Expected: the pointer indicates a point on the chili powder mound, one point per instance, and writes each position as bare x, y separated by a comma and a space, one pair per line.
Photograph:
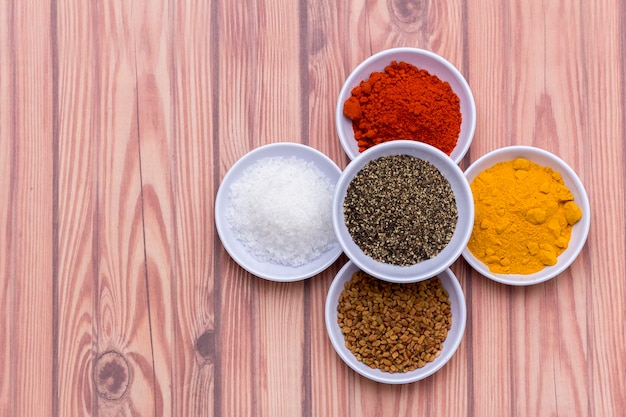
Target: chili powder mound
404, 102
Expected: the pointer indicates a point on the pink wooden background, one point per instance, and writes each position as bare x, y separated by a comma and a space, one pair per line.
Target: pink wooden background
118, 120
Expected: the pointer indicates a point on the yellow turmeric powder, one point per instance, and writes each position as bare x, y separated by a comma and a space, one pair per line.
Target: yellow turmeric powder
524, 215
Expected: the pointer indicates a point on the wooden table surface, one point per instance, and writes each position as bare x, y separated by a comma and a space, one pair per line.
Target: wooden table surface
118, 119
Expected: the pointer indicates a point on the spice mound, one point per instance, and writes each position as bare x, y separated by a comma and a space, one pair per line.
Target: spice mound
280, 209
394, 327
400, 210
524, 215
404, 102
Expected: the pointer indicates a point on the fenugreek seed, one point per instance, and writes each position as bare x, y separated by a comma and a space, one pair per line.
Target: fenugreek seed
388, 331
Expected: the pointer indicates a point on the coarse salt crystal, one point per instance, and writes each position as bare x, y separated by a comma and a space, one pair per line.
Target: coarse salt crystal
281, 211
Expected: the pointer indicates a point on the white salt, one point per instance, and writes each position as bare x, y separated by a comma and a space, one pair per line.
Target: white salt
281, 211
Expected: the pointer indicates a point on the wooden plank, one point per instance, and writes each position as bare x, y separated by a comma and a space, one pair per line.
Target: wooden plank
152, 27
31, 251
194, 178
124, 376
77, 93
7, 208
602, 160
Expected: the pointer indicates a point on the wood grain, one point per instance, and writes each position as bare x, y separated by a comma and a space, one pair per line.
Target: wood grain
8, 375
77, 199
194, 177
28, 243
118, 120
125, 375
604, 122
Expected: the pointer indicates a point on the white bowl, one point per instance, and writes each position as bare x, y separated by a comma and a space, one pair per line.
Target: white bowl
580, 230
464, 201
429, 61
269, 270
450, 345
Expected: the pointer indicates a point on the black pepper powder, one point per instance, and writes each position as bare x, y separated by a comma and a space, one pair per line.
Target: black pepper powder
400, 210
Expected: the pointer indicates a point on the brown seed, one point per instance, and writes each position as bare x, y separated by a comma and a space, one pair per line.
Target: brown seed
394, 327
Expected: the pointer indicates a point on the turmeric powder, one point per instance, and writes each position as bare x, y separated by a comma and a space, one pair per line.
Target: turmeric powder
524, 215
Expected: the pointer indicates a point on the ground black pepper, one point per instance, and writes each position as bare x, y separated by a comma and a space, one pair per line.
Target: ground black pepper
400, 210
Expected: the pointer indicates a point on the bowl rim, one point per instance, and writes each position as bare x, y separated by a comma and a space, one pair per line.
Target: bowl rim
355, 76
430, 267
450, 345
268, 270
570, 179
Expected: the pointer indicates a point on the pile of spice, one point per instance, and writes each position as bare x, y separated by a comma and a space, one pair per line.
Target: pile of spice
524, 215
404, 102
394, 327
400, 210
281, 210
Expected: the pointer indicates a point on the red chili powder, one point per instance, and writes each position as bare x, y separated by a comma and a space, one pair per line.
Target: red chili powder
404, 102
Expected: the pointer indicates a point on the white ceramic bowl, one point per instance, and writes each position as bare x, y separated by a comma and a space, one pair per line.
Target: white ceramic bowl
464, 201
580, 230
429, 61
234, 247
455, 334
